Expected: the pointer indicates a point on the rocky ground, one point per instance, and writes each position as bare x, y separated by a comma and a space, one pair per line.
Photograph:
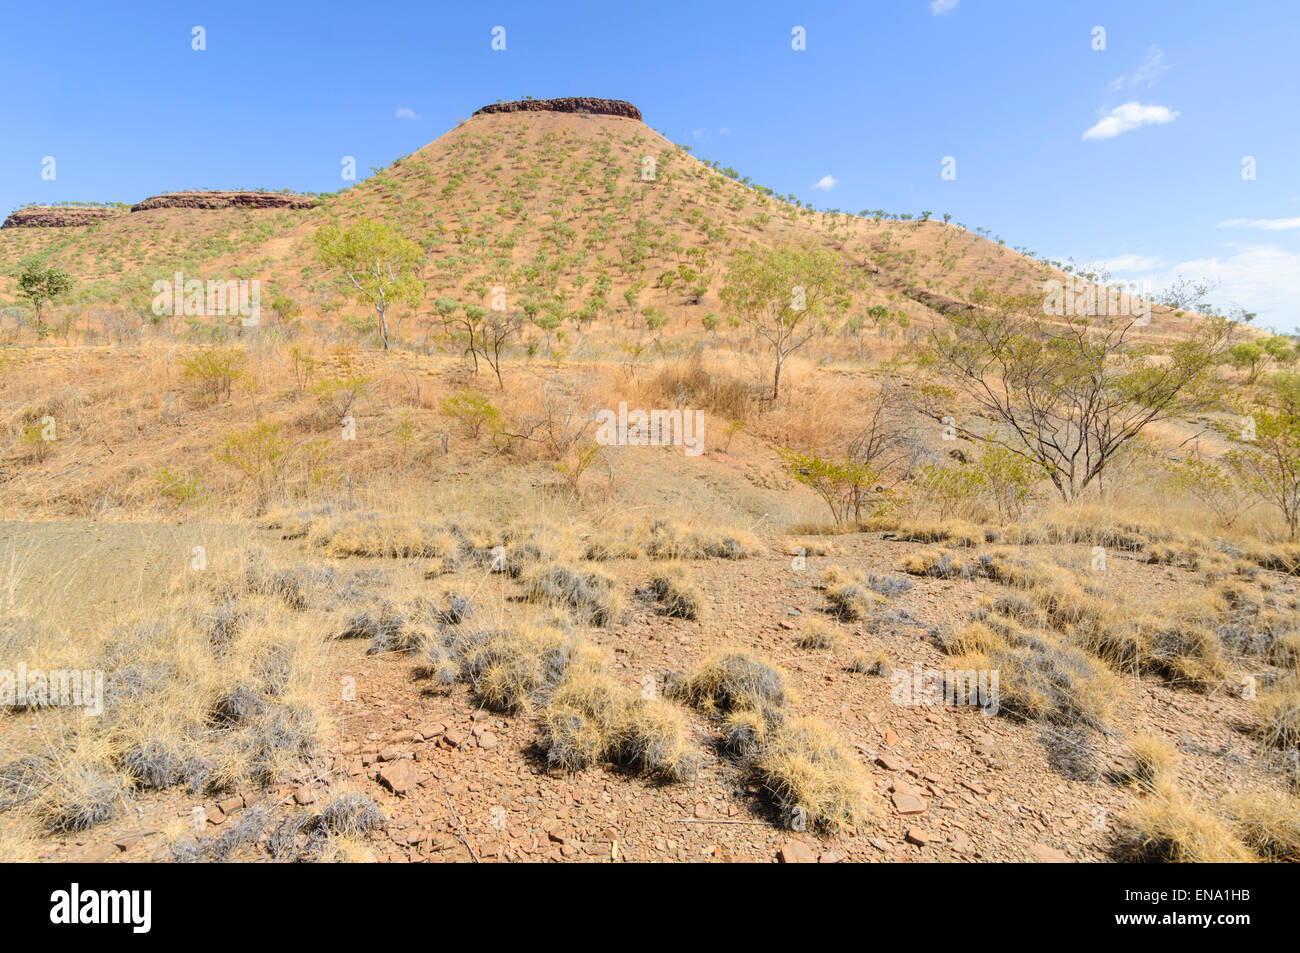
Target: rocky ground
461, 783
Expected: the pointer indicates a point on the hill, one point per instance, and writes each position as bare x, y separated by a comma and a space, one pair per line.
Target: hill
580, 209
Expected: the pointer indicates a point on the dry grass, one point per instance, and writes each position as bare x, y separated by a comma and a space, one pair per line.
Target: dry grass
1268, 825
213, 688
805, 770
1279, 715
1156, 761
816, 635
676, 595
1165, 827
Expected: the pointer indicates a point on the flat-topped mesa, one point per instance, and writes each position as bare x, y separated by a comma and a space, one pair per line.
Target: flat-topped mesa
208, 200
569, 104
60, 216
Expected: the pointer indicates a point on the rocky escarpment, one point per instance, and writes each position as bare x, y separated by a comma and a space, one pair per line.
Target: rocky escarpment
571, 104
224, 200
59, 216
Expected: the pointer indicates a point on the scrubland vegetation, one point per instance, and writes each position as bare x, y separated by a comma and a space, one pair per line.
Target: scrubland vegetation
1108, 509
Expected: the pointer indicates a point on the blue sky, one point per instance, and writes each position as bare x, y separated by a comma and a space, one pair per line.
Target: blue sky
1131, 155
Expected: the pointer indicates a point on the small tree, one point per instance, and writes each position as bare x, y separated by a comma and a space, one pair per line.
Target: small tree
380, 264
496, 330
777, 291
471, 319
843, 484
1268, 460
41, 286
1067, 394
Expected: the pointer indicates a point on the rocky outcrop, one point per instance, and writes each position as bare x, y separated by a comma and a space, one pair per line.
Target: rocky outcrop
571, 104
944, 305
59, 216
207, 200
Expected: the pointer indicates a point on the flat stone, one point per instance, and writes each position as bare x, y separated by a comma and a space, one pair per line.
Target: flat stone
1043, 854
919, 837
431, 729
398, 776
797, 852
231, 804
453, 737
908, 804
891, 762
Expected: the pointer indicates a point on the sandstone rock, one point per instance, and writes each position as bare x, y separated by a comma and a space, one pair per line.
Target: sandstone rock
569, 104
797, 852
59, 216
1044, 854
398, 776
908, 804
214, 200
919, 837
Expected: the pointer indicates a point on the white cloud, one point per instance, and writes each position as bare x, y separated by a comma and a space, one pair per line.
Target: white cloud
826, 183
940, 7
1153, 66
1127, 117
406, 112
1268, 224
1260, 278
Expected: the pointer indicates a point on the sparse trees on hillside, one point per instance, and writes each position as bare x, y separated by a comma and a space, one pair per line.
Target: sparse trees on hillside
780, 292
380, 264
1066, 395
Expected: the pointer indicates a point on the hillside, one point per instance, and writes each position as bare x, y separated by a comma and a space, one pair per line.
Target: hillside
553, 207
414, 603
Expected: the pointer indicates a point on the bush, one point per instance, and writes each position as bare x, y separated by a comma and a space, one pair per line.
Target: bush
473, 412
216, 371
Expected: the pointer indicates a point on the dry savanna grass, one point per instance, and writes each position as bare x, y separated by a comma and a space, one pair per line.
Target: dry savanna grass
805, 769
423, 507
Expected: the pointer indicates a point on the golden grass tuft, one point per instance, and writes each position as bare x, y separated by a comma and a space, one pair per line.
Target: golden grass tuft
1156, 761
806, 771
805, 766
1269, 825
816, 635
1165, 827
676, 594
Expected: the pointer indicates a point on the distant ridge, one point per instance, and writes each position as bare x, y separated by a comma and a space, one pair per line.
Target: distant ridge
570, 104
225, 200
59, 216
